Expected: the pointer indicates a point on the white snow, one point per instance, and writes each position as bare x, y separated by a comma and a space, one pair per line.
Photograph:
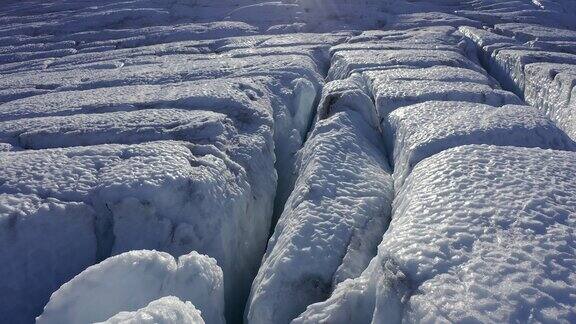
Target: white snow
166, 310
495, 246
422, 130
129, 281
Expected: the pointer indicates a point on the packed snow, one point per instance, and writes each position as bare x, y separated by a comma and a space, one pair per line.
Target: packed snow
279, 139
132, 282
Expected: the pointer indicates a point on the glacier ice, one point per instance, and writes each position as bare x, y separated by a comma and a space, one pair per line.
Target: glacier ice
44, 242
187, 125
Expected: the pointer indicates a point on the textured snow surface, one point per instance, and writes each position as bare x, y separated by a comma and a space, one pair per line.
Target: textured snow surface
422, 130
129, 281
274, 137
480, 233
166, 310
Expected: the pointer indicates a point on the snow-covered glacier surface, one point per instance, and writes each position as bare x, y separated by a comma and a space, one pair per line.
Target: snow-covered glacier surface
457, 251
318, 161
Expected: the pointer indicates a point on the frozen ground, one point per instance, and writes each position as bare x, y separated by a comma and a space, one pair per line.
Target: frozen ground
286, 140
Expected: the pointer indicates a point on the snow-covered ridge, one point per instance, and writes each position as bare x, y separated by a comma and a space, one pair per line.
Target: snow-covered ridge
284, 140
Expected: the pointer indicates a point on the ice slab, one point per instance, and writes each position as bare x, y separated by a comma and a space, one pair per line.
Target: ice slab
402, 87
550, 87
122, 127
508, 64
346, 62
543, 77
562, 40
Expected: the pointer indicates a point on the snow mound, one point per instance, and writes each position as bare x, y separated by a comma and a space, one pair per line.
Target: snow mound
129, 281
166, 310
331, 223
500, 235
422, 130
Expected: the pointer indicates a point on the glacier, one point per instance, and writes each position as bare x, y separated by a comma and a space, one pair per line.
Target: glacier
304, 161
